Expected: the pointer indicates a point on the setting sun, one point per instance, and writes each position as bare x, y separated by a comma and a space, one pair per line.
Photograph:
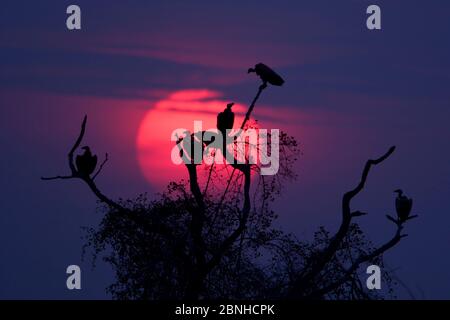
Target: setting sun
179, 110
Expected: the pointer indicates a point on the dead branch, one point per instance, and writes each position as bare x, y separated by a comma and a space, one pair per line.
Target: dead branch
362, 259
252, 105
316, 266
57, 177
101, 167
76, 145
88, 180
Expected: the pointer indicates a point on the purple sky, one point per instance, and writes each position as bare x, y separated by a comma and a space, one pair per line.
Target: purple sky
350, 94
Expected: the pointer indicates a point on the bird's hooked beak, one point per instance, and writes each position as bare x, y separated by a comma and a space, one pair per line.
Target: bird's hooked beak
250, 70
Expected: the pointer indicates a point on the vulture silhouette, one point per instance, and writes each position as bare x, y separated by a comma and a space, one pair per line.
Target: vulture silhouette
225, 119
403, 205
267, 75
86, 162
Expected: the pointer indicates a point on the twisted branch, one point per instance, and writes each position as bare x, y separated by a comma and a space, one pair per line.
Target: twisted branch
316, 266
362, 259
88, 180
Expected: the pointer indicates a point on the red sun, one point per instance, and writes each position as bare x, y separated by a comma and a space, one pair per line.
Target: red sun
178, 110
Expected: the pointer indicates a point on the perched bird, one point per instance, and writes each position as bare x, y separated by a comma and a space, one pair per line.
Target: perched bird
403, 205
86, 162
225, 119
267, 75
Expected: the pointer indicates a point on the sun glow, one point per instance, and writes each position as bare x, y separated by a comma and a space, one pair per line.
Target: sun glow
179, 110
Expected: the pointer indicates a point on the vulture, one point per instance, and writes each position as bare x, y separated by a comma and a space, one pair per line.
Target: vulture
403, 205
267, 75
225, 119
86, 162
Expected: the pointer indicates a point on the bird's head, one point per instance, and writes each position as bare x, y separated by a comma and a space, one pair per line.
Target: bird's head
250, 70
230, 105
86, 148
399, 192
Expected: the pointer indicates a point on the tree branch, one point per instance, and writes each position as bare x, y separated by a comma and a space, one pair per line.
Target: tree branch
250, 109
209, 178
361, 259
227, 243
75, 146
89, 181
196, 229
57, 177
101, 167
358, 214
349, 195
325, 256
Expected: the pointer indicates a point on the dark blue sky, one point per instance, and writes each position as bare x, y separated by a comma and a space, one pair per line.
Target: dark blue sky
354, 93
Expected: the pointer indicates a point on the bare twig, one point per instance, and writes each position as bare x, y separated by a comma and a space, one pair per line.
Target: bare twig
70, 154
209, 177
252, 105
358, 214
57, 177
398, 221
101, 167
76, 145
